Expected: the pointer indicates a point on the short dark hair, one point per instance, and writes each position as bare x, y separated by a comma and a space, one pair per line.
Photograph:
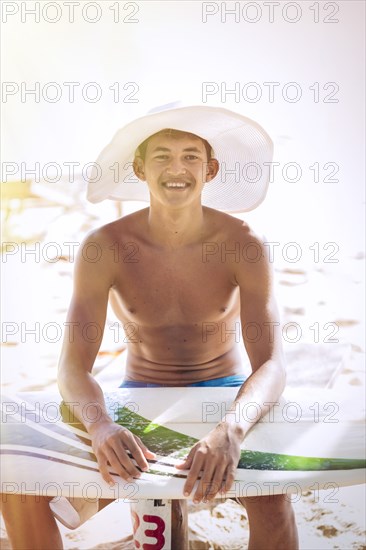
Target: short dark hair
141, 149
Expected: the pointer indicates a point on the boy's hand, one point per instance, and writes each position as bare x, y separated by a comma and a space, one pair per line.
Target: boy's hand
111, 444
216, 456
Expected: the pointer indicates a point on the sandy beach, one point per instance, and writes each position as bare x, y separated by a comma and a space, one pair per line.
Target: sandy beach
321, 302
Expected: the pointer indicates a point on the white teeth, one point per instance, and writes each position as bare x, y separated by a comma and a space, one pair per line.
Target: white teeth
175, 184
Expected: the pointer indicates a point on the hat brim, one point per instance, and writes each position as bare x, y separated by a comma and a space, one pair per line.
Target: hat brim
242, 147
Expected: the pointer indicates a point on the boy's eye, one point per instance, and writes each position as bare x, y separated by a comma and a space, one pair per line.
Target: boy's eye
163, 157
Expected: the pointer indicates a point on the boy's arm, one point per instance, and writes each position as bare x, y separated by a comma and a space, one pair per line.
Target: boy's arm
85, 325
262, 338
86, 319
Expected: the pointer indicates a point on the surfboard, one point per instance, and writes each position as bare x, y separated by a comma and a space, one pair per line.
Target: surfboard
310, 440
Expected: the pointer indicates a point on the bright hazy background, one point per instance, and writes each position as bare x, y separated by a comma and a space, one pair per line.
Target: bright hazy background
169, 53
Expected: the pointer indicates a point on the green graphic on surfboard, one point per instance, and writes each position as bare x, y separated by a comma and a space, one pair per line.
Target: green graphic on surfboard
164, 441
167, 442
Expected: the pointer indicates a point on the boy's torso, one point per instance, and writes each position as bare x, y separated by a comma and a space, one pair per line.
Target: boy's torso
180, 307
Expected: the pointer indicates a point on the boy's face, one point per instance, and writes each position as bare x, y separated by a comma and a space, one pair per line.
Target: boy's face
175, 168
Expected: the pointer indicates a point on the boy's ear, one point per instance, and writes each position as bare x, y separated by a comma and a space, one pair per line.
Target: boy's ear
138, 168
212, 168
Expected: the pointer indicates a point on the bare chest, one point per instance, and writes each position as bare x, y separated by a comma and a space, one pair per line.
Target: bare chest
176, 288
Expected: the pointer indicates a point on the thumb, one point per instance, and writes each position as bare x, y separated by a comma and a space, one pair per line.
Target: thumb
186, 463
145, 450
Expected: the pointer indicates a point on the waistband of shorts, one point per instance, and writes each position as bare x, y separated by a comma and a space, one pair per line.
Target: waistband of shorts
234, 380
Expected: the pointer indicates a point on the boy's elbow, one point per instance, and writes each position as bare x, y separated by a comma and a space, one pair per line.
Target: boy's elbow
61, 378
63, 375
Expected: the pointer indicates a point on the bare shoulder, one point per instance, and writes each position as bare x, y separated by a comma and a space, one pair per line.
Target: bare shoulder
103, 252
243, 251
124, 228
235, 231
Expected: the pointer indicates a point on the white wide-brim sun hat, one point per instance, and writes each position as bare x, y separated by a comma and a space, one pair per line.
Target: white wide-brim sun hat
242, 147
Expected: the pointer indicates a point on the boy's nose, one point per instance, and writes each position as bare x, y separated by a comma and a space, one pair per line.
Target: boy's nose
176, 168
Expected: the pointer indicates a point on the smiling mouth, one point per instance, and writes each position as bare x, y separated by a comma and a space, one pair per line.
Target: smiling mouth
176, 185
